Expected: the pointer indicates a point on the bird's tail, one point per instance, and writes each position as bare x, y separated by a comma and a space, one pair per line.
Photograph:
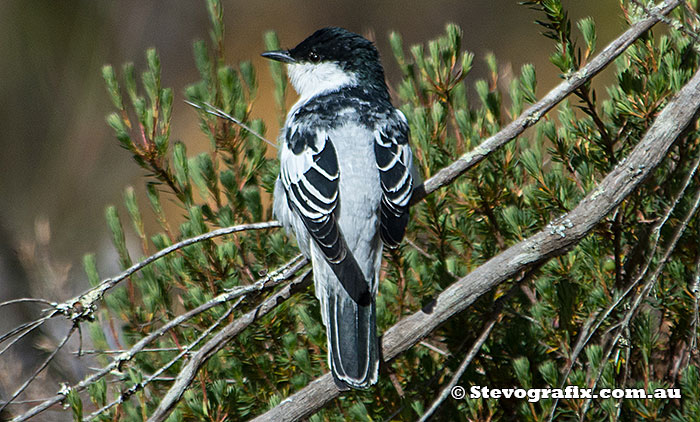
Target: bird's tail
353, 351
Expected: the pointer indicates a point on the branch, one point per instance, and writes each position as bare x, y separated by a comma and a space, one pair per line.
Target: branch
124, 395
41, 367
82, 307
624, 324
557, 238
589, 329
496, 315
189, 371
671, 22
533, 114
274, 278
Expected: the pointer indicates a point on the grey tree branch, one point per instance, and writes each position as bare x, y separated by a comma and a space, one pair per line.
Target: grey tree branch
88, 299
124, 395
83, 306
284, 273
533, 114
557, 238
589, 328
540, 248
189, 371
496, 314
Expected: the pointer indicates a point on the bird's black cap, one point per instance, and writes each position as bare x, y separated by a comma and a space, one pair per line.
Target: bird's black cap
352, 52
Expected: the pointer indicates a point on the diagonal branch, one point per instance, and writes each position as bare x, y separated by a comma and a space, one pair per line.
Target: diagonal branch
286, 272
124, 395
533, 114
541, 248
189, 370
83, 306
496, 315
590, 328
650, 283
557, 238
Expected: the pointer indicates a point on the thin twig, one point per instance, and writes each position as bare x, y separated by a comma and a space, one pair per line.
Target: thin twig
488, 327
433, 348
83, 306
586, 335
208, 108
124, 395
644, 293
27, 299
462, 367
556, 239
535, 112
41, 367
190, 369
671, 22
118, 351
23, 330
274, 278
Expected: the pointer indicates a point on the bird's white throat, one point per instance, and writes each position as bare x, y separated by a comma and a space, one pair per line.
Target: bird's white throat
312, 79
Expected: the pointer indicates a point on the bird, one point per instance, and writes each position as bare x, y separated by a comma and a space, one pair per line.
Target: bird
344, 187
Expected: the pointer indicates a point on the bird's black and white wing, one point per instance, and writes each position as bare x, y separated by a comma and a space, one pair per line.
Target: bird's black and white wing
310, 174
394, 160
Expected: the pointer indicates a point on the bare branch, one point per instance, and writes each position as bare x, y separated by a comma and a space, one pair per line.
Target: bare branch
274, 278
189, 371
462, 367
557, 238
671, 22
23, 330
533, 114
83, 306
586, 332
624, 325
41, 367
27, 299
124, 395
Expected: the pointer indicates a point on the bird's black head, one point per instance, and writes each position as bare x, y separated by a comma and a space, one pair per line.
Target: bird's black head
351, 53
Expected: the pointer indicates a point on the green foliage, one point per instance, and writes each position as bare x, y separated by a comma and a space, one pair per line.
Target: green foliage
278, 75
511, 195
76, 405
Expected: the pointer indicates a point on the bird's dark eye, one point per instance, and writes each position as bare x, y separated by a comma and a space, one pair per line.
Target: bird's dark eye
313, 57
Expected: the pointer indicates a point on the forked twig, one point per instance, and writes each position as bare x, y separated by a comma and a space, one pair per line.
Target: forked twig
41, 367
190, 369
284, 273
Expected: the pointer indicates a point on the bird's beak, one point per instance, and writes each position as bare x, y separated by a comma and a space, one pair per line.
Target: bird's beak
279, 55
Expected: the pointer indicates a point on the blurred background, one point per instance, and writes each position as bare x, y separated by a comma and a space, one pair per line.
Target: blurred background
60, 165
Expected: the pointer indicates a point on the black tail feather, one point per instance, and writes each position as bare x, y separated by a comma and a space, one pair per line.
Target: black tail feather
352, 341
